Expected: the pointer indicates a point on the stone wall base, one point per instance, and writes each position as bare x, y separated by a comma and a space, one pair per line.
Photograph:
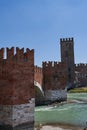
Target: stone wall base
15, 115
55, 95
27, 126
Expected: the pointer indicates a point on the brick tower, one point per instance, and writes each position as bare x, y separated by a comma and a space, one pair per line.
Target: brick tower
67, 56
16, 89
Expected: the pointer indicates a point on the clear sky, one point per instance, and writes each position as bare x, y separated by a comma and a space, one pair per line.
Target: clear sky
40, 24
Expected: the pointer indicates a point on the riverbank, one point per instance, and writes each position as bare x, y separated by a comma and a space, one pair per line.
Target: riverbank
78, 90
58, 127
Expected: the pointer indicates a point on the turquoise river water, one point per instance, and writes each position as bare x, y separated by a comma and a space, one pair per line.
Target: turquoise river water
73, 112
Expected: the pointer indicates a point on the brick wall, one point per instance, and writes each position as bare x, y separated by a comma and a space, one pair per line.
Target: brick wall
16, 76
54, 75
81, 73
38, 75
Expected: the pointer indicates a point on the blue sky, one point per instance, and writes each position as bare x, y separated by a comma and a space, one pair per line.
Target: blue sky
40, 24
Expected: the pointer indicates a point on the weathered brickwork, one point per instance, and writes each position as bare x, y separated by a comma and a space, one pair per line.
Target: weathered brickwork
54, 75
16, 85
16, 76
67, 56
81, 74
54, 81
38, 75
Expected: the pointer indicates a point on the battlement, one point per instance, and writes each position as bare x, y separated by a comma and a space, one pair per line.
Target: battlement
10, 53
16, 71
81, 65
37, 69
52, 64
2, 53
20, 55
29, 53
66, 40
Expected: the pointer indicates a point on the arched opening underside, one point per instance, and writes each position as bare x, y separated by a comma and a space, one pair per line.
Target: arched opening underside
39, 94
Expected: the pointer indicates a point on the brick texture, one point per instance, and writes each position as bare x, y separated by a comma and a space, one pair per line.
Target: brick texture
54, 75
16, 76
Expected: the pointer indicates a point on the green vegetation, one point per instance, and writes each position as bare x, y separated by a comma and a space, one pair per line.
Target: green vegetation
79, 90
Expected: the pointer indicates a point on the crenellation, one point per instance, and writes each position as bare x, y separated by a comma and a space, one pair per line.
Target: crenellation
52, 64
29, 51
10, 53
29, 54
81, 65
19, 51
19, 54
43, 64
66, 40
1, 53
47, 64
55, 62
37, 69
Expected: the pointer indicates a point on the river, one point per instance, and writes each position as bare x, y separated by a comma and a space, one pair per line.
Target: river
73, 112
